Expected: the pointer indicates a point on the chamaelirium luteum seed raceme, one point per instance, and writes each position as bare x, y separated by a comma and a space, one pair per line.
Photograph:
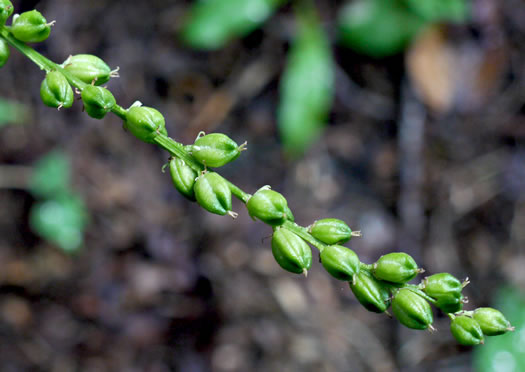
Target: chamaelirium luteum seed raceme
377, 286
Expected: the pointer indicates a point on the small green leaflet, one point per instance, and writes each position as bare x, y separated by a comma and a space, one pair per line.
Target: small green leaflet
440, 10
213, 23
378, 28
61, 221
11, 113
306, 87
51, 175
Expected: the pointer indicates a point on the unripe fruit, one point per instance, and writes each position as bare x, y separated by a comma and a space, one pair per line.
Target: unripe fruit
395, 267
31, 27
492, 321
145, 123
269, 206
215, 150
341, 262
4, 52
97, 101
370, 292
466, 331
412, 310
213, 194
55, 90
6, 9
331, 231
88, 68
446, 290
183, 177
291, 252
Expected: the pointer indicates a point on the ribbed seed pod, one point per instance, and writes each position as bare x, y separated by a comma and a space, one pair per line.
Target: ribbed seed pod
88, 68
370, 292
466, 331
446, 290
215, 150
412, 310
31, 27
4, 52
145, 123
269, 206
341, 262
492, 321
213, 194
397, 267
97, 101
183, 177
330, 231
291, 252
6, 9
55, 90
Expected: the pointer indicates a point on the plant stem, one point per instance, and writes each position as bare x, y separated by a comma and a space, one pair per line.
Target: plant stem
41, 61
303, 233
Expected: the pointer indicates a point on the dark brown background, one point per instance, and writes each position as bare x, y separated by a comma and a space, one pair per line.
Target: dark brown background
161, 285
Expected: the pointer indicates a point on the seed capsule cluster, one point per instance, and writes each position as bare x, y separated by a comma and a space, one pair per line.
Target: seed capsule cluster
377, 286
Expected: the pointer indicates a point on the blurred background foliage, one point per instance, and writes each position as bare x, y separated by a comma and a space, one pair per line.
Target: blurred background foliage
404, 118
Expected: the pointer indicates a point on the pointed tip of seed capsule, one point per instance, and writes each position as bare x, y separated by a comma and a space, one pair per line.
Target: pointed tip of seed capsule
388, 314
233, 214
50, 24
465, 282
431, 328
305, 273
114, 73
357, 234
420, 270
511, 329
243, 146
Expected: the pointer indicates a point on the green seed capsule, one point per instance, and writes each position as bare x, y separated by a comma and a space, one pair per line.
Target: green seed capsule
183, 177
145, 123
412, 310
213, 194
268, 206
4, 52
466, 331
370, 292
291, 252
97, 101
55, 91
446, 290
31, 27
215, 150
341, 262
331, 231
397, 267
6, 9
492, 321
89, 69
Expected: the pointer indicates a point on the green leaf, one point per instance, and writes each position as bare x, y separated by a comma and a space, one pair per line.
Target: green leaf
51, 175
505, 352
306, 87
440, 10
12, 113
213, 23
60, 221
378, 28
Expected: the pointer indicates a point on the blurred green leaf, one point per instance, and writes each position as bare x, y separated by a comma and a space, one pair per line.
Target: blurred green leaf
378, 28
212, 23
60, 221
12, 113
505, 353
51, 175
306, 87
440, 10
